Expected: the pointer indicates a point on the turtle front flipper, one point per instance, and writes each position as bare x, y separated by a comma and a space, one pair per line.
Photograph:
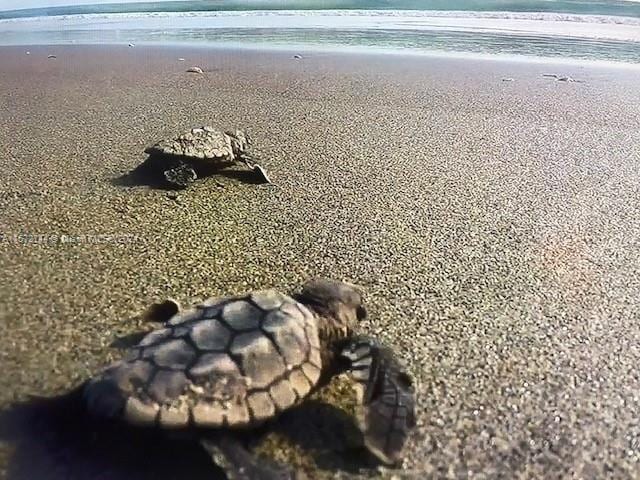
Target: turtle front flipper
181, 176
249, 161
386, 414
238, 464
261, 173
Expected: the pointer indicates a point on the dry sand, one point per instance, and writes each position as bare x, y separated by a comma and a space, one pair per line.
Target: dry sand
495, 225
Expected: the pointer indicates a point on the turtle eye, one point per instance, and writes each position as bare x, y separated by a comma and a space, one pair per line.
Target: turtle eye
361, 313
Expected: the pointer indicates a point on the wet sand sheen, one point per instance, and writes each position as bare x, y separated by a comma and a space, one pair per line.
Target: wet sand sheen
493, 223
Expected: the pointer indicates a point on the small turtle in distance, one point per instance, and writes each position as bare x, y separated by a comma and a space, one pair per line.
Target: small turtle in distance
202, 151
231, 364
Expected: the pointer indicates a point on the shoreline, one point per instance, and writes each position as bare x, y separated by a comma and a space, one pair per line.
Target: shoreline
365, 51
490, 222
354, 52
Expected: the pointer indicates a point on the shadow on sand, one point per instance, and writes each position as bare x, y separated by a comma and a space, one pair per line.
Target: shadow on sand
329, 434
150, 174
54, 439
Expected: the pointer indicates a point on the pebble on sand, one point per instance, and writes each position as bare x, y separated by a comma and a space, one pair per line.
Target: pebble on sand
194, 70
507, 79
181, 59
51, 56
296, 56
562, 78
28, 53
132, 44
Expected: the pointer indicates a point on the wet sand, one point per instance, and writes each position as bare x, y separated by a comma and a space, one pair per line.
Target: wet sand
495, 225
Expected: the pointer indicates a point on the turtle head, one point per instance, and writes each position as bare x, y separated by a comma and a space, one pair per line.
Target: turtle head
338, 302
240, 141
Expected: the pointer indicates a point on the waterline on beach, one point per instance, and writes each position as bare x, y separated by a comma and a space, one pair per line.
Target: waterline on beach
599, 38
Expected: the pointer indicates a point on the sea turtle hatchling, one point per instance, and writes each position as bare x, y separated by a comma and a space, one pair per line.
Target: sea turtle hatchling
201, 151
231, 364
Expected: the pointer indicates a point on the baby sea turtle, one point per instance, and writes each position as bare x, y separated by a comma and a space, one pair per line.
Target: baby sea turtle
231, 364
202, 150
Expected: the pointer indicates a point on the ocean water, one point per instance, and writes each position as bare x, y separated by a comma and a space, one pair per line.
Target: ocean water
603, 31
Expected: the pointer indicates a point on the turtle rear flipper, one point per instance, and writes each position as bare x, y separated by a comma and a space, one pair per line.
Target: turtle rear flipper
386, 414
229, 454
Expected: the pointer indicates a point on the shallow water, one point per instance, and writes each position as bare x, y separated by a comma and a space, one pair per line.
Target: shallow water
571, 35
592, 7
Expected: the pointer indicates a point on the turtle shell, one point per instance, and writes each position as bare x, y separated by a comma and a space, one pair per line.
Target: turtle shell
204, 143
231, 362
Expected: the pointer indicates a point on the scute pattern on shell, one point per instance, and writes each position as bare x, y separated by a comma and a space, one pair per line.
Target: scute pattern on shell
199, 143
230, 362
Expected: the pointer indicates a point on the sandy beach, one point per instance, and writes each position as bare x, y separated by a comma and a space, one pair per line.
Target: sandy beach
494, 224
